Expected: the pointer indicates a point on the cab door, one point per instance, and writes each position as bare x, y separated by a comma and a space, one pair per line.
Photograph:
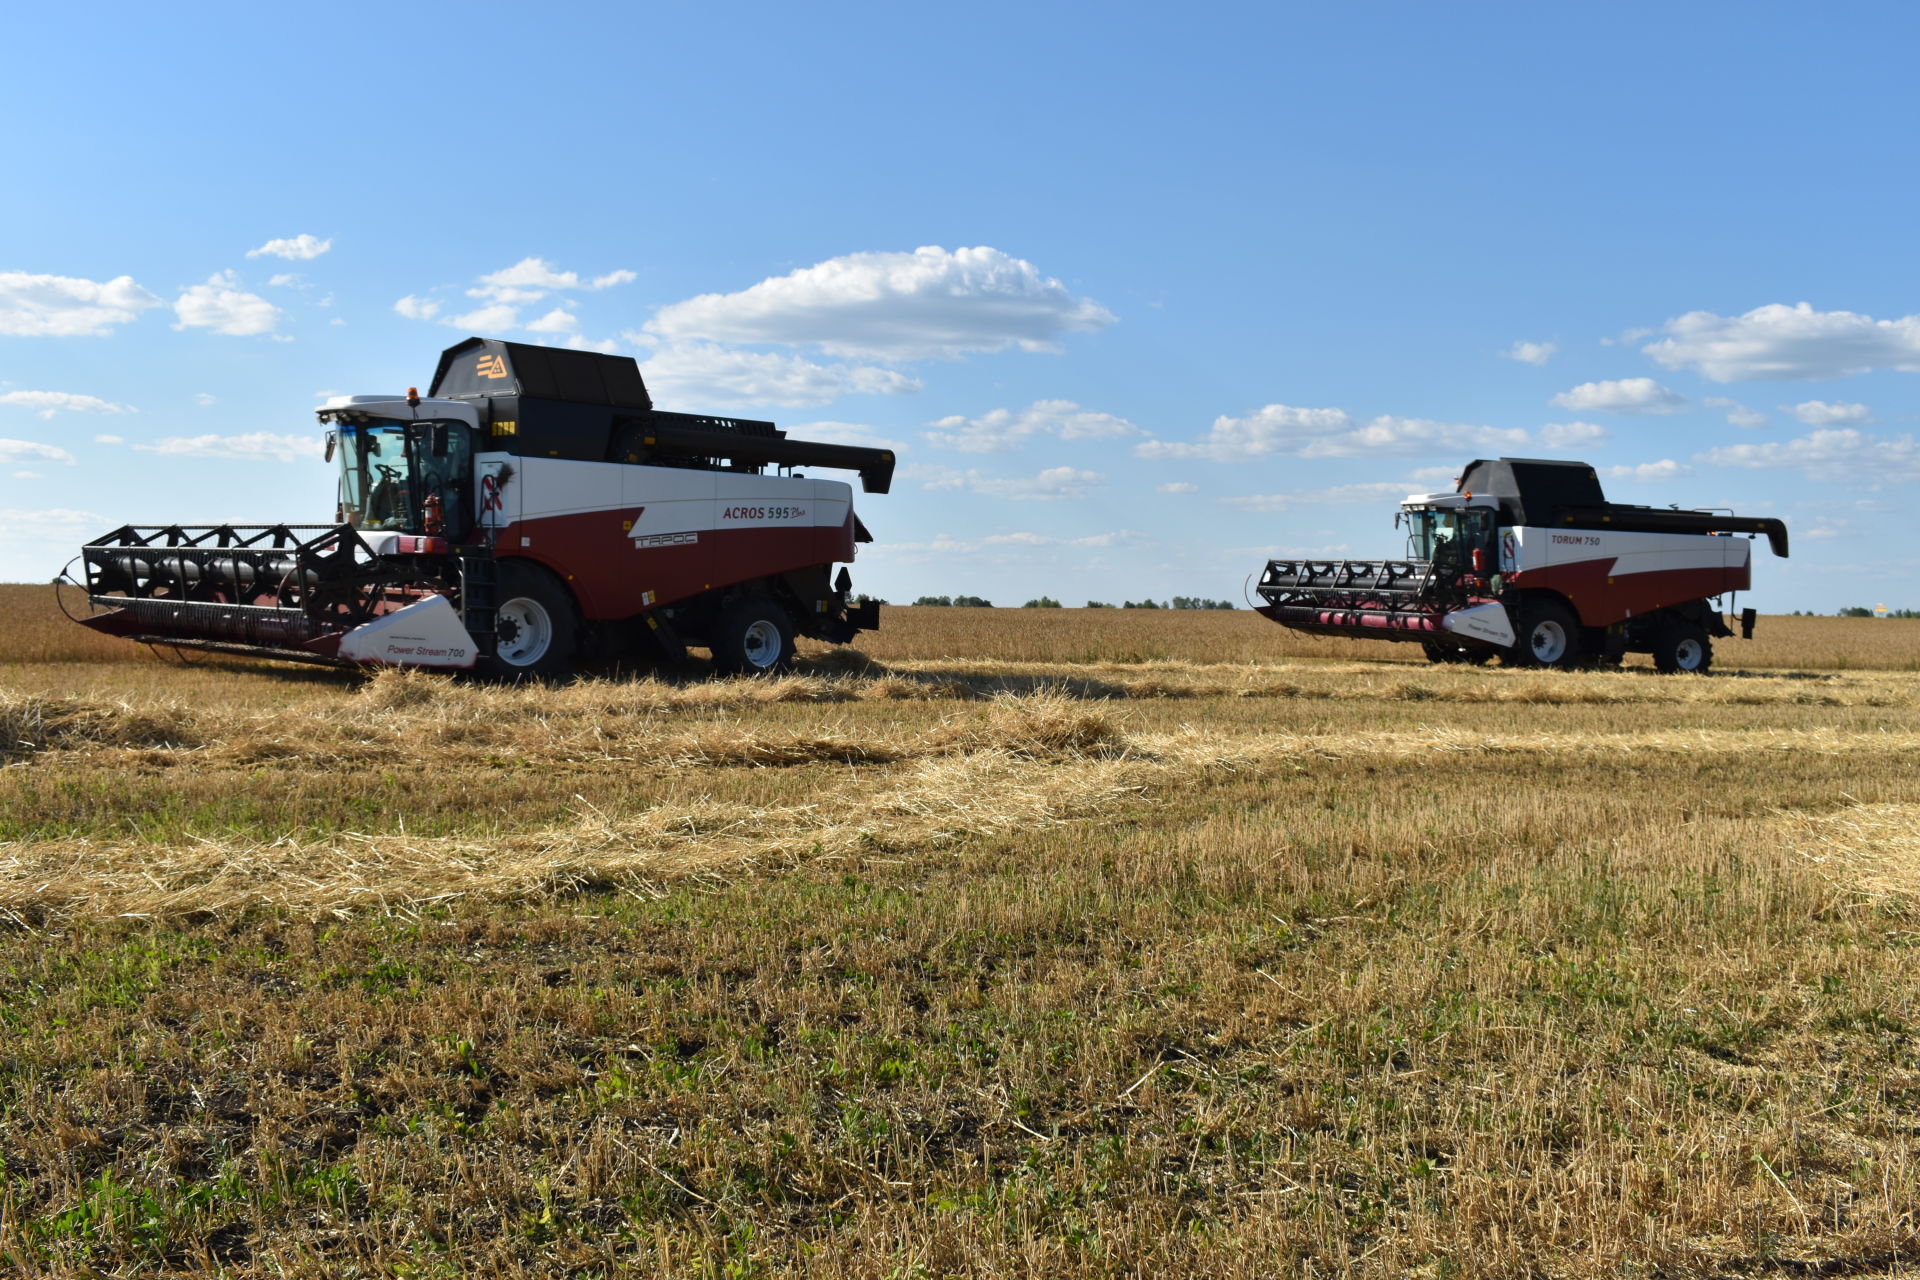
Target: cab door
495, 500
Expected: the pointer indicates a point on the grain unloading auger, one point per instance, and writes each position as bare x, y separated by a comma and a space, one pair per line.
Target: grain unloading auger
1527, 560
532, 509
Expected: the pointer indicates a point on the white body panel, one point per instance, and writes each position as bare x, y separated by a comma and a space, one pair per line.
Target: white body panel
1524, 548
427, 633
668, 500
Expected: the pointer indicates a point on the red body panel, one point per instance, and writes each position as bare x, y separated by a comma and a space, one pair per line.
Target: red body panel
612, 578
1602, 599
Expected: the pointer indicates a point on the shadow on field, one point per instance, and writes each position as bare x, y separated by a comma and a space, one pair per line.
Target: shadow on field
824, 677
293, 673
819, 677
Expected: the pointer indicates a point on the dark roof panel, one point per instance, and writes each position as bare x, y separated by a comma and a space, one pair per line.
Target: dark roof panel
1532, 489
491, 367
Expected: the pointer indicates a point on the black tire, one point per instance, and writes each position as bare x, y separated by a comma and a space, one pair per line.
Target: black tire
536, 630
1548, 636
1441, 652
1682, 649
754, 637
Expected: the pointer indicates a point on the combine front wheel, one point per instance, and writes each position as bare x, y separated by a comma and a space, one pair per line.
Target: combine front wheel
1549, 636
533, 624
754, 638
1682, 649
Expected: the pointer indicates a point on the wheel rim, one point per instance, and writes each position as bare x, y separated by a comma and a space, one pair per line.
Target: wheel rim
1549, 642
761, 644
525, 632
1687, 654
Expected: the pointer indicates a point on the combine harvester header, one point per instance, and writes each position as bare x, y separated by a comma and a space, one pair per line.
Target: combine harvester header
533, 508
1527, 560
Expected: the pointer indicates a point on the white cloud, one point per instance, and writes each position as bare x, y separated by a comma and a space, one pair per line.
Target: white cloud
33, 306
1781, 342
947, 544
32, 451
1834, 453
205, 398
894, 306
300, 248
1179, 486
1117, 538
222, 306
828, 432
1366, 493
1054, 482
558, 320
1057, 482
1819, 413
528, 273
1327, 433
1623, 395
505, 291
702, 375
510, 296
28, 475
1572, 435
52, 520
109, 439
1737, 414
1294, 551
258, 446
417, 308
497, 318
285, 280
1003, 430
605, 346
48, 403
1534, 353
1665, 469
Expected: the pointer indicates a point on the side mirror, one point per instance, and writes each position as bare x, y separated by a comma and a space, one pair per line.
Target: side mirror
333, 440
442, 436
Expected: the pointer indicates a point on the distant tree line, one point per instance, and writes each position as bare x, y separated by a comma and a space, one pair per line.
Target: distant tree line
1179, 602
957, 602
1861, 611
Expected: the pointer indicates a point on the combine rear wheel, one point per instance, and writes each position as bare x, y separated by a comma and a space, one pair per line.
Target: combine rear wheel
534, 625
1549, 636
1682, 649
754, 638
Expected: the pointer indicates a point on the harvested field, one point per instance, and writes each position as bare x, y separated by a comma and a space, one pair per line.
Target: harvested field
1074, 943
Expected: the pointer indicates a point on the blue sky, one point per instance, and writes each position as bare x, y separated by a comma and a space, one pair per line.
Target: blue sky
1142, 295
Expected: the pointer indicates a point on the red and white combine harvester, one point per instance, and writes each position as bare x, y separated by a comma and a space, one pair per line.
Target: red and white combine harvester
532, 509
1527, 560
